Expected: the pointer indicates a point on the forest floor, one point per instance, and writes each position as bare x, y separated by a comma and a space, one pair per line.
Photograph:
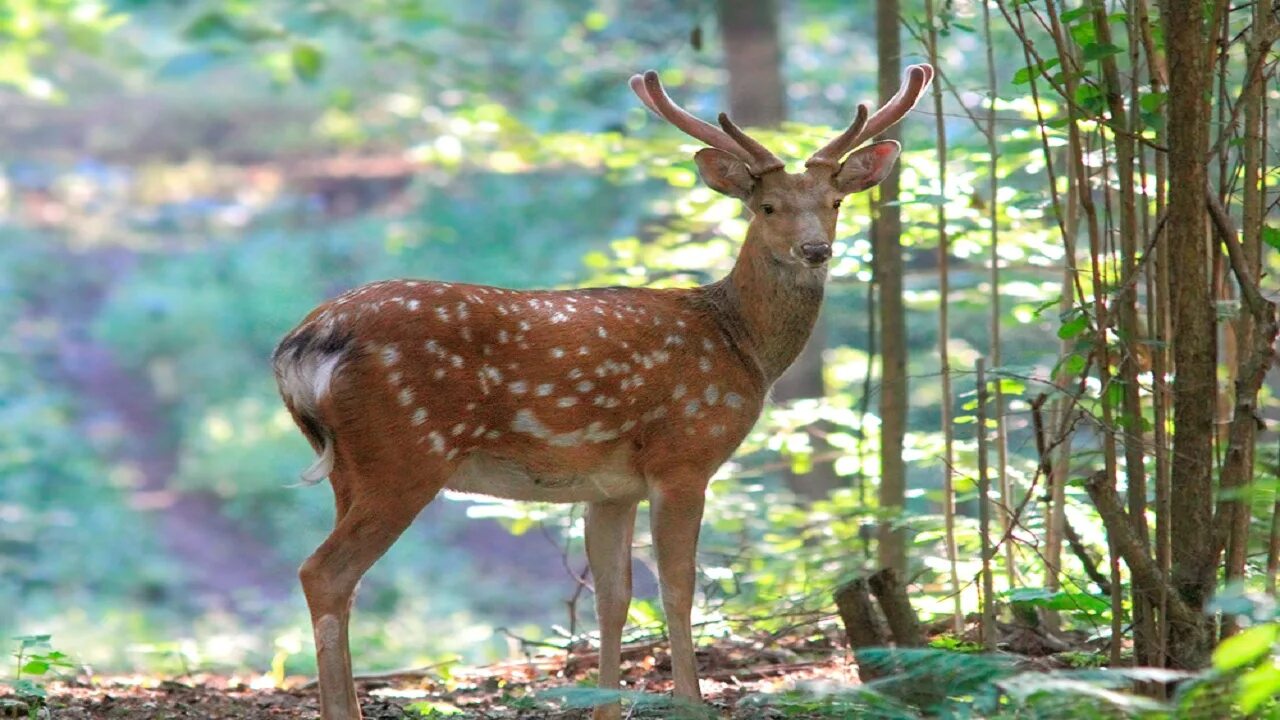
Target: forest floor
731, 673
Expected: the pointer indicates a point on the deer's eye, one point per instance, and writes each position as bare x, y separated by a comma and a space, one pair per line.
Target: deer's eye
836, 204
767, 209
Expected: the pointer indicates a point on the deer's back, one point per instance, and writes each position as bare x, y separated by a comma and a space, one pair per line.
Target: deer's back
542, 395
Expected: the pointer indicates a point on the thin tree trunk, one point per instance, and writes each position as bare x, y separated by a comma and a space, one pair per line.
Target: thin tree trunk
993, 217
893, 326
944, 333
984, 516
1194, 352
1129, 329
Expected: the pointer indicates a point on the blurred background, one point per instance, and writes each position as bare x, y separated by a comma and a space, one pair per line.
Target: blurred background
180, 182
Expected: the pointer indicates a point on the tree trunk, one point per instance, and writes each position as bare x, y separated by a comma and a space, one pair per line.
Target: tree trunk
1194, 558
753, 56
757, 97
893, 325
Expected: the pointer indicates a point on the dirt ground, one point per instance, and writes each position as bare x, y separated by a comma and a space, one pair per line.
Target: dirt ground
731, 673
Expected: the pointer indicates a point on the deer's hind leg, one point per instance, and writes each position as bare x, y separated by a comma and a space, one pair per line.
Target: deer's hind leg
372, 513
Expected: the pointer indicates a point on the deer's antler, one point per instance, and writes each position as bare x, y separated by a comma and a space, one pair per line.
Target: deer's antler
917, 78
731, 139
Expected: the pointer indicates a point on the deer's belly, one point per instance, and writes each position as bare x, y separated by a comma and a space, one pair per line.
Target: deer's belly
484, 474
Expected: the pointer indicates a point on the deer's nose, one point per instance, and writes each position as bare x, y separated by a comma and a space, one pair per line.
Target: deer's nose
816, 253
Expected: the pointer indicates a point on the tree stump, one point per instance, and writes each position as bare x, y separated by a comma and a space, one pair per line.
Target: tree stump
891, 593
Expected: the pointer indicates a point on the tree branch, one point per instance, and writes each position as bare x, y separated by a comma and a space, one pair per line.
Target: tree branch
1146, 574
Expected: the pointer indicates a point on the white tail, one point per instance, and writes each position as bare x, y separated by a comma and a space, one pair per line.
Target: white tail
607, 396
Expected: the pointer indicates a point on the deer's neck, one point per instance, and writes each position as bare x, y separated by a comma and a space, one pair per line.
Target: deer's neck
769, 306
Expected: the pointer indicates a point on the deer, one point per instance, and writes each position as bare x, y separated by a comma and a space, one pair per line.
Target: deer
605, 396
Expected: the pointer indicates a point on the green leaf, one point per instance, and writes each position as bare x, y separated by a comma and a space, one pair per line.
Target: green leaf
1258, 686
1271, 236
307, 61
1097, 51
1151, 102
1089, 97
28, 689
35, 667
1024, 75
1073, 327
1246, 648
30, 641
1083, 34
1075, 13
1074, 364
1058, 600
211, 26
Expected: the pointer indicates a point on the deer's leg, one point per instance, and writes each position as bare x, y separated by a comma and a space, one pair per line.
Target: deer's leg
609, 528
369, 525
675, 518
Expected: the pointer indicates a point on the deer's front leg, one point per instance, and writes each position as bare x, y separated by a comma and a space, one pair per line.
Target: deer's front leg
609, 529
675, 518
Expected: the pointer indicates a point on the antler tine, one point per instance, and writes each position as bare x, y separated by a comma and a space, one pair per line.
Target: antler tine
650, 91
832, 152
762, 159
917, 79
637, 87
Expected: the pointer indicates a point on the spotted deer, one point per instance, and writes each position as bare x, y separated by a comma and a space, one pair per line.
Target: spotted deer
606, 396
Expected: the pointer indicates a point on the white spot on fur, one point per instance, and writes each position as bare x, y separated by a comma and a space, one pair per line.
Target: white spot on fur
518, 387
405, 397
584, 386
458, 429
545, 389
678, 391
419, 416
390, 355
437, 441
654, 414
691, 408
711, 395
704, 364
734, 400
568, 401
557, 352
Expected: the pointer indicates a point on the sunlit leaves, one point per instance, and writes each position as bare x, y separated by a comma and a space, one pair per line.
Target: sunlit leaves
307, 59
1247, 647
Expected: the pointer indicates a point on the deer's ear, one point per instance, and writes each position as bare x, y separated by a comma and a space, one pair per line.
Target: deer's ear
867, 166
724, 173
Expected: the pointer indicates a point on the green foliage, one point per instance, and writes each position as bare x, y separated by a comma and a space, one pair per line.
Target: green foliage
34, 659
641, 704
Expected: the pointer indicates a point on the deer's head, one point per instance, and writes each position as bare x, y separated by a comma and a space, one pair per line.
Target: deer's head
793, 215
